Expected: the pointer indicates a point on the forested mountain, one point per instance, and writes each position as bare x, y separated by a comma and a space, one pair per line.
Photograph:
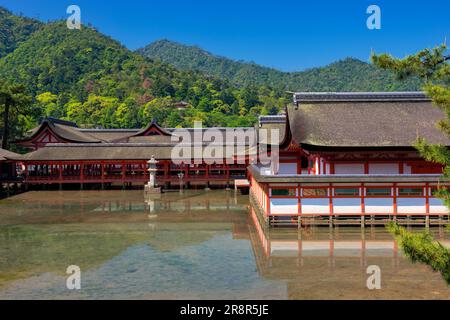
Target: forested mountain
87, 77
345, 75
14, 30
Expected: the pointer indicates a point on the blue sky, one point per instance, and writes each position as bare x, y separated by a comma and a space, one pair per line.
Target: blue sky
287, 35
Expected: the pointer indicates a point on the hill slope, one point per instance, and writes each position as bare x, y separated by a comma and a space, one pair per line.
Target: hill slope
87, 77
345, 75
14, 30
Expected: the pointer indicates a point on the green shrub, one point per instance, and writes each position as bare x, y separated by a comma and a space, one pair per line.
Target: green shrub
422, 247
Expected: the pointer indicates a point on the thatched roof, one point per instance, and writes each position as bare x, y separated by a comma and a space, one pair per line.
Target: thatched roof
112, 151
65, 131
267, 138
109, 135
364, 119
6, 154
269, 123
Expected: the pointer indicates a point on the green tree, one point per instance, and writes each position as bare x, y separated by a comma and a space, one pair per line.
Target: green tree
432, 65
96, 111
158, 109
48, 103
14, 101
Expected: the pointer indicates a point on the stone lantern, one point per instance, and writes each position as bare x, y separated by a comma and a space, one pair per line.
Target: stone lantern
151, 187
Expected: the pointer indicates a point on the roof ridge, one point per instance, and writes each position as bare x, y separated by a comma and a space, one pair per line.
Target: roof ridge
299, 97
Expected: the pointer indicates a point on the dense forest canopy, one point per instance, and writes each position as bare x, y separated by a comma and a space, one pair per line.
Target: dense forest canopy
93, 80
87, 77
14, 30
346, 75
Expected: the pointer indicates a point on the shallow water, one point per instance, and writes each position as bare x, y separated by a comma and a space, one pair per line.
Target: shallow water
195, 245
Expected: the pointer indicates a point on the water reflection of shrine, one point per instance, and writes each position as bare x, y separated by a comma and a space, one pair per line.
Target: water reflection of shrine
335, 258
131, 206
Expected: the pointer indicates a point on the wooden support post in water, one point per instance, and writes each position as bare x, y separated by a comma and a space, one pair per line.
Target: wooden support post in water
363, 222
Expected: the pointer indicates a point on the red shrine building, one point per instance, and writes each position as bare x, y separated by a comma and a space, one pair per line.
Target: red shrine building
342, 157
349, 157
63, 154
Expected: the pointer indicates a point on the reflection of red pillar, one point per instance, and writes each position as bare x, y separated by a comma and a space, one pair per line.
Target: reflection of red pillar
331, 256
363, 252
267, 246
300, 249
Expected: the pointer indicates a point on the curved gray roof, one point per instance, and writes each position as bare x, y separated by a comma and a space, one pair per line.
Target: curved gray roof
352, 122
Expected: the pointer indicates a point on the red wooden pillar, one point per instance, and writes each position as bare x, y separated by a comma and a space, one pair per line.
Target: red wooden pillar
366, 167
26, 170
267, 192
299, 164
400, 167
186, 172
363, 204
330, 199
331, 167
102, 169
166, 169
81, 171
123, 170
427, 198
60, 165
317, 165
